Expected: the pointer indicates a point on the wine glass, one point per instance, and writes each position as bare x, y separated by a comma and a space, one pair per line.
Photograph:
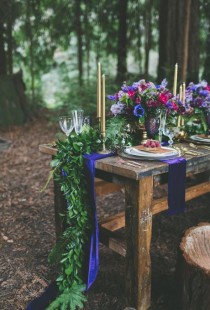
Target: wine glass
162, 117
171, 132
66, 124
78, 116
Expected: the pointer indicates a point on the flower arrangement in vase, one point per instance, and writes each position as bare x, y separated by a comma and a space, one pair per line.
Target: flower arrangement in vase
142, 102
197, 107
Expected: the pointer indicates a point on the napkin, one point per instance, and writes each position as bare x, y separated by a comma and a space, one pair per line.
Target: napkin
93, 264
176, 185
43, 301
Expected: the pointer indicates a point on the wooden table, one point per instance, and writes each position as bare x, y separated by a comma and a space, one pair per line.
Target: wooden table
140, 206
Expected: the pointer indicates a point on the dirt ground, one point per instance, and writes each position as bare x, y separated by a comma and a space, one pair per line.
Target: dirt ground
28, 230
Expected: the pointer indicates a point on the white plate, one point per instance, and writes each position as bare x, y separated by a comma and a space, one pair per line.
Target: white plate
197, 138
135, 152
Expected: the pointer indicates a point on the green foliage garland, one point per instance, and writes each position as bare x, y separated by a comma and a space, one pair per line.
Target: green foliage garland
68, 169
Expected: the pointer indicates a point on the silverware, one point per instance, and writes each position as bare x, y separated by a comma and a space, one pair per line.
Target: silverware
185, 151
205, 147
130, 163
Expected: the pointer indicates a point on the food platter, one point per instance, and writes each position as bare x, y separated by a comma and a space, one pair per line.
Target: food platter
160, 154
200, 138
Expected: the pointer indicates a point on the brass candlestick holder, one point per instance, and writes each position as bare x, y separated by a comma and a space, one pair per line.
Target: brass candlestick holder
144, 136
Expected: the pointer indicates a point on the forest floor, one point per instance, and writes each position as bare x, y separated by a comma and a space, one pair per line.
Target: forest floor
28, 230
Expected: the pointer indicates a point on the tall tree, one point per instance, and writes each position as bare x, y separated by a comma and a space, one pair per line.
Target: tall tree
163, 24
122, 42
148, 34
206, 71
194, 43
177, 27
3, 66
79, 40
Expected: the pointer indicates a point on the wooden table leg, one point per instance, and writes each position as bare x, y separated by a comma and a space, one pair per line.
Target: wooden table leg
138, 197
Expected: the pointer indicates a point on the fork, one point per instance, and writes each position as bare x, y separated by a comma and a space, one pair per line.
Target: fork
131, 163
205, 147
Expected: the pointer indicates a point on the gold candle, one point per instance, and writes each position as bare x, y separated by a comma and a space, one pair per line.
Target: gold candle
175, 79
180, 93
183, 93
103, 118
179, 121
99, 91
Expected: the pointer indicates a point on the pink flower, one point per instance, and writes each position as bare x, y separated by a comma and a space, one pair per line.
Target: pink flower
131, 93
163, 98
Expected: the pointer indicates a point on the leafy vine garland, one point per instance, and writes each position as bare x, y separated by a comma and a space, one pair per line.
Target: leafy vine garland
70, 251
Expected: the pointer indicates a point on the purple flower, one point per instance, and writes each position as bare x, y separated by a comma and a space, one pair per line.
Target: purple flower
111, 97
138, 110
117, 108
203, 92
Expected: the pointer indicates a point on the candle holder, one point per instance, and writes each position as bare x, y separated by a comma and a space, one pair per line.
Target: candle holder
104, 150
144, 135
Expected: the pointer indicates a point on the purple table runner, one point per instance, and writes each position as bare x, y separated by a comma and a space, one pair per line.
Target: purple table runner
176, 204
176, 185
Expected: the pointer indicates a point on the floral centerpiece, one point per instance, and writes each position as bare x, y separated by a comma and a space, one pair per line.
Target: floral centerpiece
143, 100
197, 103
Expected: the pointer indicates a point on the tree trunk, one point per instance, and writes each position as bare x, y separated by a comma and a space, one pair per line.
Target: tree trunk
2, 45
185, 41
122, 42
193, 50
168, 39
31, 47
148, 35
87, 40
163, 25
206, 73
193, 269
9, 39
79, 40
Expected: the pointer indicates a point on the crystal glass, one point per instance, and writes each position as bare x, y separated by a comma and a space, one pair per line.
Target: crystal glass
78, 116
66, 124
171, 132
162, 123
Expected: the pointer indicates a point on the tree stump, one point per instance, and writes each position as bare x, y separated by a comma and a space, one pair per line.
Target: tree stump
194, 268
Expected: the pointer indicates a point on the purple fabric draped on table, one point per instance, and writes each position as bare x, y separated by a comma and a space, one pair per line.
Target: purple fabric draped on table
176, 185
51, 292
94, 238
176, 203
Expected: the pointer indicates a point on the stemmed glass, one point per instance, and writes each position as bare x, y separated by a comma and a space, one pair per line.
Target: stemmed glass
171, 132
66, 124
162, 117
78, 116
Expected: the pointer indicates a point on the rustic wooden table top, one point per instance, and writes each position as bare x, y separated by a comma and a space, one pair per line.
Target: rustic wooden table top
136, 169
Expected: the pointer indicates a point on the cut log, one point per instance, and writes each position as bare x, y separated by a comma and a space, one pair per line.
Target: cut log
194, 268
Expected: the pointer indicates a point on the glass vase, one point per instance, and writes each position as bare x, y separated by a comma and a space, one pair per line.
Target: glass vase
152, 123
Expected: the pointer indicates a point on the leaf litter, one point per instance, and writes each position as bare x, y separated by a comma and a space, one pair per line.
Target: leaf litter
27, 229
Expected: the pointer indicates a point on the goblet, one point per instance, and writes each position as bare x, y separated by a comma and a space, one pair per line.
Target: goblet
66, 124
78, 116
171, 132
162, 116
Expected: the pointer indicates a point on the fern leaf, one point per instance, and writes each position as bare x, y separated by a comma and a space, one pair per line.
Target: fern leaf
71, 299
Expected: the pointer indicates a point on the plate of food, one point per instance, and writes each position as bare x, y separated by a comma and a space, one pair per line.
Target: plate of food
201, 138
151, 150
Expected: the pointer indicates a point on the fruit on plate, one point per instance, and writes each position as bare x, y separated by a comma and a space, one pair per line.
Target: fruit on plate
152, 143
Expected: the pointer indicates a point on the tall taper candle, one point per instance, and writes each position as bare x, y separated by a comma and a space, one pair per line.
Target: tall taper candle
183, 93
175, 79
103, 118
99, 91
180, 93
